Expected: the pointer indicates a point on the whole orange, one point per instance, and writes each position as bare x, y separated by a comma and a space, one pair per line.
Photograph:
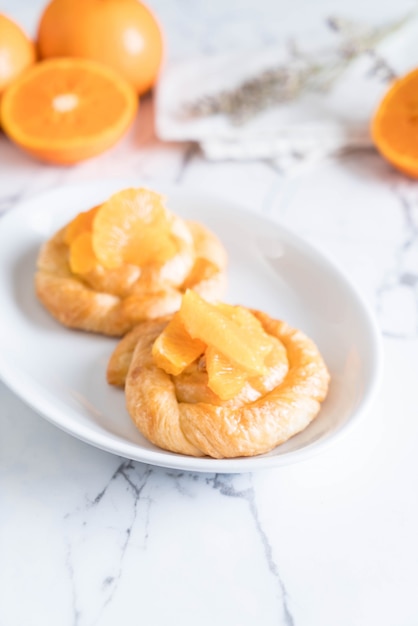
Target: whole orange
123, 34
17, 52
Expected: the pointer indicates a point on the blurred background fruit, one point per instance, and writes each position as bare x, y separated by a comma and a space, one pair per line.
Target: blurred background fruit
67, 110
17, 52
123, 34
395, 125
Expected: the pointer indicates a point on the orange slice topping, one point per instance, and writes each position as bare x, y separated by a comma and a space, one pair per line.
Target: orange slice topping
133, 227
82, 258
234, 343
245, 346
174, 349
225, 379
81, 223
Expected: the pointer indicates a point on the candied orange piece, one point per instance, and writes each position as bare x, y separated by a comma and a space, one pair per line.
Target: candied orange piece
82, 257
245, 345
81, 223
241, 316
133, 227
224, 378
174, 349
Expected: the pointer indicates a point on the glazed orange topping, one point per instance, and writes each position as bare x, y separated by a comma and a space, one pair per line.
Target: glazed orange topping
82, 257
174, 349
132, 227
233, 341
224, 378
228, 329
81, 223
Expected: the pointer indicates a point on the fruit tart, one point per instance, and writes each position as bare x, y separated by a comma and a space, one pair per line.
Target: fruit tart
219, 380
128, 260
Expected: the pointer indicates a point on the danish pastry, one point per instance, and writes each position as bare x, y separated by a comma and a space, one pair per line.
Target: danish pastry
186, 395
125, 261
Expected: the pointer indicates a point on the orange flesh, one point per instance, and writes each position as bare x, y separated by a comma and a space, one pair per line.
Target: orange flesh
395, 124
81, 223
225, 379
66, 110
133, 227
174, 349
245, 346
52, 124
399, 126
235, 345
82, 258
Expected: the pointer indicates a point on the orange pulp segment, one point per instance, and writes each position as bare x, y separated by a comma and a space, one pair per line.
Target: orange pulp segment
65, 110
235, 346
133, 227
81, 223
82, 258
224, 378
216, 328
174, 349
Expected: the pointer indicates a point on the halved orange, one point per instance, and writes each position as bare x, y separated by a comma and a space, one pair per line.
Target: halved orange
67, 110
395, 125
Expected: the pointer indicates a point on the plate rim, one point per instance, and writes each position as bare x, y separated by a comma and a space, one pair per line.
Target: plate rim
16, 380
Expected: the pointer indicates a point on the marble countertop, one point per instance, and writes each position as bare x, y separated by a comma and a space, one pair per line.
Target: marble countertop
90, 538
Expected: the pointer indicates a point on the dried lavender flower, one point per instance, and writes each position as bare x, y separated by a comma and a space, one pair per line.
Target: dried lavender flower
300, 73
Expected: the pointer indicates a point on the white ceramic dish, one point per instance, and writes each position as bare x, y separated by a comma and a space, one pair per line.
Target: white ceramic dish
61, 373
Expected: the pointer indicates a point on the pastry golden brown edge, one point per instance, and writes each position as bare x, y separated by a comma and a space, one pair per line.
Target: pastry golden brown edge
219, 431
76, 304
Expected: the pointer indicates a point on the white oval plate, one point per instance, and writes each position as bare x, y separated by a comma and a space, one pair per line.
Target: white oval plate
61, 373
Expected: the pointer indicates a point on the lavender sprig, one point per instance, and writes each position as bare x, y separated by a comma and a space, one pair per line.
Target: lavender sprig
301, 73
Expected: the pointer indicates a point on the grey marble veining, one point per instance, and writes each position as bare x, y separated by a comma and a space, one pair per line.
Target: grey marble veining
131, 493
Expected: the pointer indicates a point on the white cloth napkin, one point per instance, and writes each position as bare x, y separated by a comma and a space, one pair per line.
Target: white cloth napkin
299, 131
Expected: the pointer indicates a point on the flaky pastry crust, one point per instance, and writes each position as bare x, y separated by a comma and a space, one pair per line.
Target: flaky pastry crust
111, 302
173, 416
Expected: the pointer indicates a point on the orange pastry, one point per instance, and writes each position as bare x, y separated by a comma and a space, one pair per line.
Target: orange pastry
219, 380
125, 261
